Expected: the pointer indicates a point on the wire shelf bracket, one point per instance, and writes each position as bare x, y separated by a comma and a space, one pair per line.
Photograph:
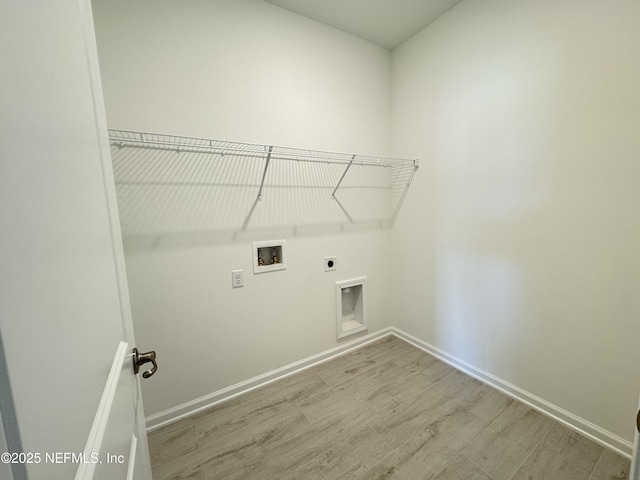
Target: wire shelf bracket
264, 173
333, 194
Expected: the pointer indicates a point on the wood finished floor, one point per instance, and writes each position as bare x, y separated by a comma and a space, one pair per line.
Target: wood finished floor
385, 411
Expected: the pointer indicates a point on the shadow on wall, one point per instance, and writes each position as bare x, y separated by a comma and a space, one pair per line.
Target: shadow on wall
178, 196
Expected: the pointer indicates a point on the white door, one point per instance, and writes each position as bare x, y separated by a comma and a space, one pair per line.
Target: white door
635, 462
69, 402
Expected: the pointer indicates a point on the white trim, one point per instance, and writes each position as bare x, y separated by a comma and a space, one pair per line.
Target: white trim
187, 409
96, 435
568, 419
584, 427
5, 468
634, 473
133, 450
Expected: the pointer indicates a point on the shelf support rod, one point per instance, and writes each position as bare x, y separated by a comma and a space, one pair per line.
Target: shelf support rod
404, 193
333, 194
344, 210
264, 173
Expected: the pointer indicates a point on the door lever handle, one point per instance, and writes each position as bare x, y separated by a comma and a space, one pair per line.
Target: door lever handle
141, 359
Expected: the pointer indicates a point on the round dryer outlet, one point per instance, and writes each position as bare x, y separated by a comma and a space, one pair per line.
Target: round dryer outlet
330, 264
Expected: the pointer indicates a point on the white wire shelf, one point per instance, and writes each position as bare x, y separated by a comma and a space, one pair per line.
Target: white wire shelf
169, 180
219, 147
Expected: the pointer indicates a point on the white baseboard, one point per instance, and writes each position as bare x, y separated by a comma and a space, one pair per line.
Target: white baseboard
192, 407
574, 422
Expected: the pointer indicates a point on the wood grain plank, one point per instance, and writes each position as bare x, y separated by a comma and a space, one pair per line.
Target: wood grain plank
421, 456
367, 385
461, 468
351, 456
562, 455
416, 414
228, 421
503, 446
305, 444
611, 467
172, 441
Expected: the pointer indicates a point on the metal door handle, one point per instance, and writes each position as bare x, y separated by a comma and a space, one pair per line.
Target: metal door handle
638, 421
141, 359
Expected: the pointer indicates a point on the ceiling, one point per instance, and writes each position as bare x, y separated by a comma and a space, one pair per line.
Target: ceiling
386, 23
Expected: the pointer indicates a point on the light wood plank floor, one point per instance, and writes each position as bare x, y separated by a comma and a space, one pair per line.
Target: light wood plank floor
385, 411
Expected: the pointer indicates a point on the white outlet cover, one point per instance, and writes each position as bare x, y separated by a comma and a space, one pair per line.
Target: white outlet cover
330, 264
237, 278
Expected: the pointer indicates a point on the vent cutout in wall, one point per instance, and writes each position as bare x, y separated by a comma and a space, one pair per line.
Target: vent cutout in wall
351, 315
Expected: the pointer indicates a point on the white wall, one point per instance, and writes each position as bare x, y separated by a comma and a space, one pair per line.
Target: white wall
516, 249
241, 70
518, 240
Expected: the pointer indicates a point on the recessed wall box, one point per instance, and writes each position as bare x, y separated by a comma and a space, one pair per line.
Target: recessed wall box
351, 312
269, 256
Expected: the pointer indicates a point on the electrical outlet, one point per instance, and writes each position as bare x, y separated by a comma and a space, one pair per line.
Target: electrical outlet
330, 264
237, 279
